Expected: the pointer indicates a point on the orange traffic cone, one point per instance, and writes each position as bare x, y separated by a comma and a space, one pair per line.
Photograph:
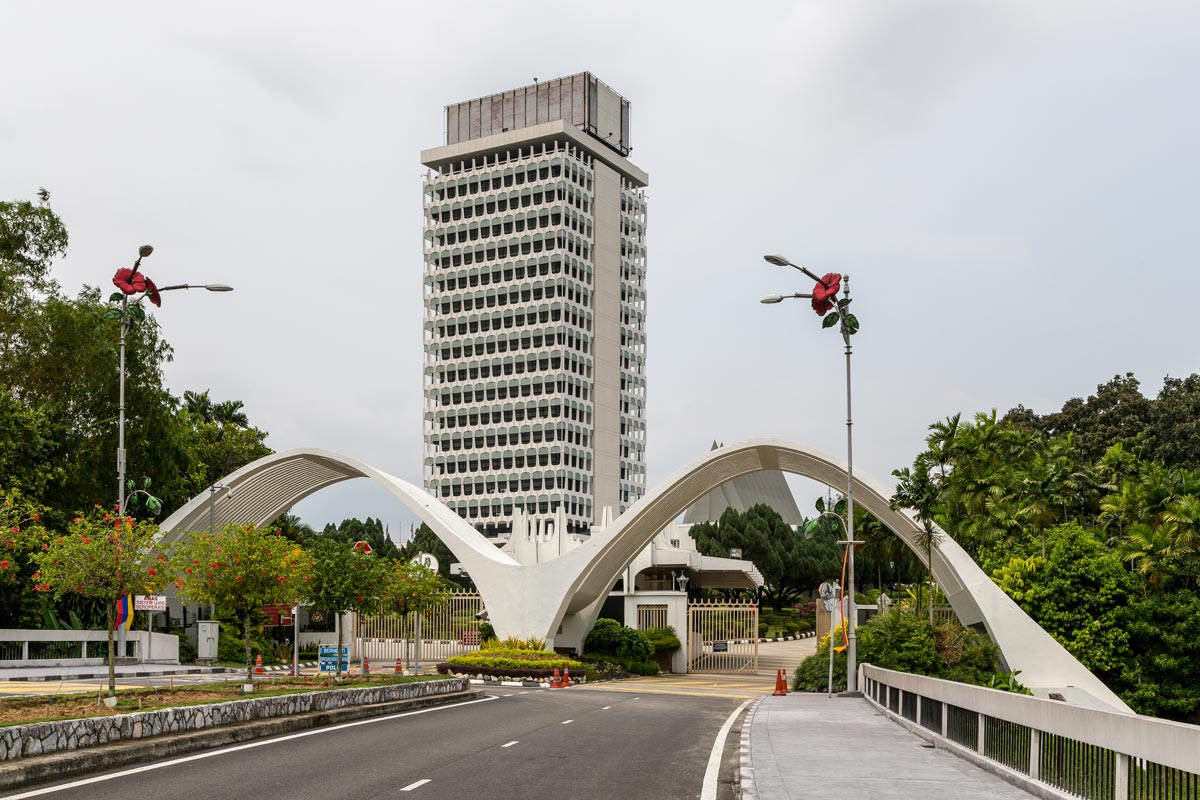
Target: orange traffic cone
555, 681
258, 669
566, 678
780, 684
399, 669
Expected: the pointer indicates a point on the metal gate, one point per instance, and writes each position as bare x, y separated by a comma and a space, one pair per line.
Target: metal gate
723, 636
448, 630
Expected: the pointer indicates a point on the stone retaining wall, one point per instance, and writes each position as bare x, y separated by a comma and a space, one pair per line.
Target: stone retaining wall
22, 741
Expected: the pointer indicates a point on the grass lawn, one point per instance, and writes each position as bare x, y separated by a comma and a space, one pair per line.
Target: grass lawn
45, 708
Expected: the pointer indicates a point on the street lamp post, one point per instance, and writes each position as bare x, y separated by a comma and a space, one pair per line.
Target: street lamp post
131, 282
825, 298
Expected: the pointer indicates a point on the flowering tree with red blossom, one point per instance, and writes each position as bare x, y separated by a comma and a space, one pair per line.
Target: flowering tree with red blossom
345, 579
103, 556
21, 538
241, 569
413, 588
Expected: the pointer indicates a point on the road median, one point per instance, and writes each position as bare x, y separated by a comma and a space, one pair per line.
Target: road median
136, 749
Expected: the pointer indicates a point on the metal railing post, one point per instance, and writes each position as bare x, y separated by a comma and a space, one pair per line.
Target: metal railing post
982, 738
1035, 753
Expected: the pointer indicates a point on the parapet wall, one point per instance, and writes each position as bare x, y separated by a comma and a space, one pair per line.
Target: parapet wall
24, 741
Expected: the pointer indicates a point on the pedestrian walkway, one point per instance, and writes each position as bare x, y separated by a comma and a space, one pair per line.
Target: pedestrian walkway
805, 746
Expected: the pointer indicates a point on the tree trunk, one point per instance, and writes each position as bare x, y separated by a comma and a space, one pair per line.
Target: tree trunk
929, 572
246, 644
112, 669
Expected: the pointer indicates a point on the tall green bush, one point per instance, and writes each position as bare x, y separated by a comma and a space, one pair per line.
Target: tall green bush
612, 638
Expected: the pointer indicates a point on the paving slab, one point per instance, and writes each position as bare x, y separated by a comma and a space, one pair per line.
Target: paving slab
811, 746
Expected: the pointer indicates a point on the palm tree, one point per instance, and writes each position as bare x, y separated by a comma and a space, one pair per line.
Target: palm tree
199, 405
917, 490
1154, 551
230, 413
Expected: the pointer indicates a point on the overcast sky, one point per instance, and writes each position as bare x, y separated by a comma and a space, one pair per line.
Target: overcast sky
1012, 187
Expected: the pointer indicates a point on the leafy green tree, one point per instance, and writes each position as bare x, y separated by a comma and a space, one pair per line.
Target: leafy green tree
1158, 675
917, 490
344, 579
1173, 437
1075, 594
22, 537
371, 531
424, 540
241, 569
104, 557
413, 588
31, 237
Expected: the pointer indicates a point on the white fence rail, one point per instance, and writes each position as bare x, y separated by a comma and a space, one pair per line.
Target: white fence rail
52, 648
1085, 752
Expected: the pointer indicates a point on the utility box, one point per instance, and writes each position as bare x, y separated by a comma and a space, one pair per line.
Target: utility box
207, 633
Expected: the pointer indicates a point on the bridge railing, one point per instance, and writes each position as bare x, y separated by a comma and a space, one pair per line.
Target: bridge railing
1085, 752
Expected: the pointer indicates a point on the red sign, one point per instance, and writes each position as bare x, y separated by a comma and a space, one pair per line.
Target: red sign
363, 546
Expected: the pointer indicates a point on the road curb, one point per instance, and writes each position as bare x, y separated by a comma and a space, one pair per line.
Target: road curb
746, 787
40, 769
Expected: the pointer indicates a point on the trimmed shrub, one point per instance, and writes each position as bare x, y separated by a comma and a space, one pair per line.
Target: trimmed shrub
762, 629
664, 640
791, 627
611, 638
604, 664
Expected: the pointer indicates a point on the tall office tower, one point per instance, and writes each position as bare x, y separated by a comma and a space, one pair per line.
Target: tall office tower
535, 309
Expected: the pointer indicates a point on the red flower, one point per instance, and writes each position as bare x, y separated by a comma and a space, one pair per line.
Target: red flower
152, 293
153, 572
86, 540
189, 570
3, 565
238, 578
129, 282
37, 517
15, 529
824, 292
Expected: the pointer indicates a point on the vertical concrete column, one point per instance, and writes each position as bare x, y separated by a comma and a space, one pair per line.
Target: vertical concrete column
606, 339
918, 719
1035, 753
982, 733
945, 719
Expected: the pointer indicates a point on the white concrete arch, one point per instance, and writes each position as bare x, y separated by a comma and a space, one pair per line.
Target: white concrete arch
596, 565
559, 599
260, 491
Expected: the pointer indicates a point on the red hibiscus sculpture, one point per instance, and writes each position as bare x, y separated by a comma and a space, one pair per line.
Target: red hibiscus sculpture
825, 292
152, 293
129, 282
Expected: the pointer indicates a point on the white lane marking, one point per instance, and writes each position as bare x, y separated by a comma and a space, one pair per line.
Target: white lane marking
248, 746
709, 787
510, 744
507, 695
567, 721
412, 786
606, 708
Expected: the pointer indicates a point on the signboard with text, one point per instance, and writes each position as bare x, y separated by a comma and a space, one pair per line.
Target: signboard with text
328, 657
149, 602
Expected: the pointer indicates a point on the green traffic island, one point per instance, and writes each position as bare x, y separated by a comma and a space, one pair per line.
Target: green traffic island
514, 666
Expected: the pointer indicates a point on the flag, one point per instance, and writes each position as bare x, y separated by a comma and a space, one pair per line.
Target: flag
124, 613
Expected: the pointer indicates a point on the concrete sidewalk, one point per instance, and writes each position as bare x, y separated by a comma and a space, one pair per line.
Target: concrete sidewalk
811, 746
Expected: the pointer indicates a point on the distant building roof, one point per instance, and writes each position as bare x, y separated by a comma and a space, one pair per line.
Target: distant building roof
768, 488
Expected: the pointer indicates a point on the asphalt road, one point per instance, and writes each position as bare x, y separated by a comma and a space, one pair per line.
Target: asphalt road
514, 744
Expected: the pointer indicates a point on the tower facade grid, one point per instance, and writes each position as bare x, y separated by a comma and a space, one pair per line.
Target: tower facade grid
535, 303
